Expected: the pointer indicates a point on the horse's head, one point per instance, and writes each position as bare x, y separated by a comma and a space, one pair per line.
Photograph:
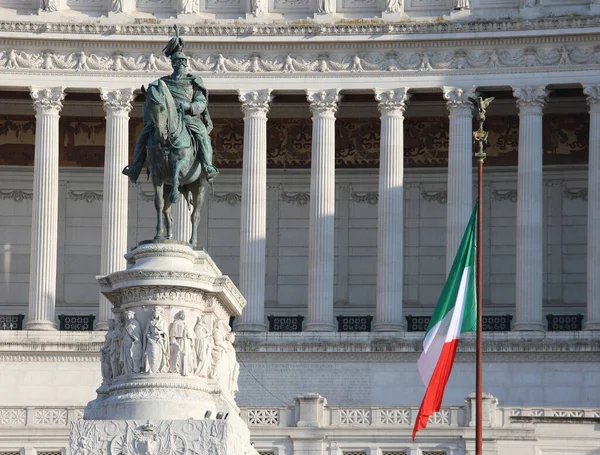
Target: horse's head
158, 107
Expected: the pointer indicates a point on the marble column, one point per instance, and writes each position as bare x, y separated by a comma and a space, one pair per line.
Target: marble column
117, 104
531, 101
47, 103
253, 231
593, 220
323, 105
182, 221
460, 167
390, 228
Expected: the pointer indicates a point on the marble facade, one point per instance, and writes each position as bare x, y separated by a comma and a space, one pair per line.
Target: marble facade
346, 87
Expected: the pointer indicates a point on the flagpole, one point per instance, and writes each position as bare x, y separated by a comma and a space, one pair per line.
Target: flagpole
480, 136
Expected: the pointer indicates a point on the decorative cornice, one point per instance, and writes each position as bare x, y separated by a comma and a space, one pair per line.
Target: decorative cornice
16, 195
47, 101
117, 102
87, 196
256, 29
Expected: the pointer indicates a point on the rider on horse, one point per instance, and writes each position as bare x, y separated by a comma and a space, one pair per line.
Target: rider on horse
191, 97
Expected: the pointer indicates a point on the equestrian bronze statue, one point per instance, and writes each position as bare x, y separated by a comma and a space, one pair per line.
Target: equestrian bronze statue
175, 142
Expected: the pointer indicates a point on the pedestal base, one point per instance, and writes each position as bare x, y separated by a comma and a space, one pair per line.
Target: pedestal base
160, 437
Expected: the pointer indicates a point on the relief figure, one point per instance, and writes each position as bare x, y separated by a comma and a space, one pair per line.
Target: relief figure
131, 346
105, 352
203, 345
156, 349
182, 342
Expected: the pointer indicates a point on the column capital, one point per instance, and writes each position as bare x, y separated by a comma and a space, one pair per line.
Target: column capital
592, 93
533, 96
458, 98
47, 100
323, 103
391, 101
117, 102
255, 102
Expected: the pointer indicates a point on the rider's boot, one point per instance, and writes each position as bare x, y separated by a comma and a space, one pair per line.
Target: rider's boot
132, 171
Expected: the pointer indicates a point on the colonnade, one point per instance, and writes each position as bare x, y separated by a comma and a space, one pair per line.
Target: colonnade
323, 104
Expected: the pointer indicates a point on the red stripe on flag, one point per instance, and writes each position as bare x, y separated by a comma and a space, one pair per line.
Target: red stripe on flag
432, 400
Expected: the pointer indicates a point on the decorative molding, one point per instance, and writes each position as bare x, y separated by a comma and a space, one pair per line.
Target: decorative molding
263, 417
504, 195
50, 416
435, 196
576, 193
16, 417
371, 198
87, 196
229, 198
270, 29
300, 198
147, 196
395, 417
16, 195
377, 59
355, 417
440, 418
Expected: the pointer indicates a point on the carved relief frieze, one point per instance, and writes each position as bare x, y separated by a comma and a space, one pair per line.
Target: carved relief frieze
16, 195
442, 59
86, 196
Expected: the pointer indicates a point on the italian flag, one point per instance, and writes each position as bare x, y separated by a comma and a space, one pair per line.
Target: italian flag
455, 313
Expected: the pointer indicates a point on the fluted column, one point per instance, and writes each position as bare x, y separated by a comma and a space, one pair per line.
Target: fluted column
323, 105
460, 167
47, 103
182, 221
593, 220
255, 105
390, 227
531, 101
117, 104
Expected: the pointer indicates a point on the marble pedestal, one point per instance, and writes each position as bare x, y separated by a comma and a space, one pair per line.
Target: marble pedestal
168, 363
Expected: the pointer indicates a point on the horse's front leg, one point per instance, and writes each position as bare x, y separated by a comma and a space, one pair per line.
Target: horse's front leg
175, 194
198, 193
167, 213
159, 203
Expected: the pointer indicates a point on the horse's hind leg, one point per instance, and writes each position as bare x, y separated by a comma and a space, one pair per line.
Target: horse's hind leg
159, 203
198, 192
167, 213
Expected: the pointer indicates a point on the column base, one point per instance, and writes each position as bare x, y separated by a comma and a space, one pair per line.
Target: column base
101, 326
40, 325
319, 327
529, 327
592, 325
243, 327
389, 327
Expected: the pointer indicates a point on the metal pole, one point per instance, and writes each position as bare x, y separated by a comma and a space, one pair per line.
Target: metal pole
480, 136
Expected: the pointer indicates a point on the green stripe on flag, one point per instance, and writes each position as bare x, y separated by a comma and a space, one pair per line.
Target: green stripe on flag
465, 257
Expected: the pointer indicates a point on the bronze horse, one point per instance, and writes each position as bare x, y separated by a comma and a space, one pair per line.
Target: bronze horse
174, 167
